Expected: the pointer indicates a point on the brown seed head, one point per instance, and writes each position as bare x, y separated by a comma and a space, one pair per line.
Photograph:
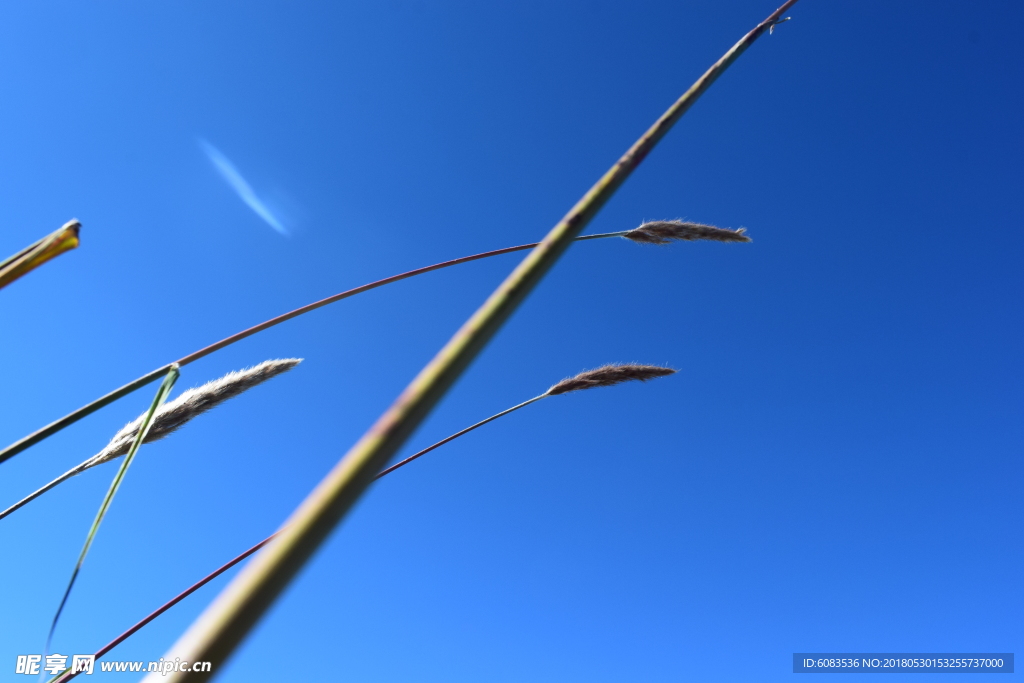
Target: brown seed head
663, 232
607, 375
173, 414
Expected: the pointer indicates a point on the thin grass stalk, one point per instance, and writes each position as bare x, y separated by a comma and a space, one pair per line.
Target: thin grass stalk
31, 257
456, 435
43, 489
214, 636
71, 418
67, 674
161, 396
606, 375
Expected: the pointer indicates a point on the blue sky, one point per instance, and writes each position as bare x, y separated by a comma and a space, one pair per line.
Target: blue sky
835, 468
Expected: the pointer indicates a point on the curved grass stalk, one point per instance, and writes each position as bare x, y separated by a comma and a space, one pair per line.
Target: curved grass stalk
640, 234
214, 636
607, 375
86, 410
67, 674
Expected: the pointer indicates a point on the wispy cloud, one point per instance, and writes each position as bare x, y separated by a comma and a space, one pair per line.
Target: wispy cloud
239, 184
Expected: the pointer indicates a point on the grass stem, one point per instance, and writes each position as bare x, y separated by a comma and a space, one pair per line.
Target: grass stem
161, 396
215, 635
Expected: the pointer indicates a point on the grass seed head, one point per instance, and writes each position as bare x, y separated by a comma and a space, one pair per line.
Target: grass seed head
608, 375
664, 232
173, 414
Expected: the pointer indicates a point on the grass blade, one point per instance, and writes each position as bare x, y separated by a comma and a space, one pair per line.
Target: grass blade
225, 623
161, 396
35, 255
71, 418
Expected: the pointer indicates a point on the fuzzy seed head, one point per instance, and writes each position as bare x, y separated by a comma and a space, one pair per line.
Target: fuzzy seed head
172, 415
607, 375
664, 232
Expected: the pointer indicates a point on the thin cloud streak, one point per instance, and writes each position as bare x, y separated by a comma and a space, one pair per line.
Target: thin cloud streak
239, 184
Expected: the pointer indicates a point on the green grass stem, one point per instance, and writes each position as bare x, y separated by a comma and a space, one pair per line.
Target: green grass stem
161, 395
214, 636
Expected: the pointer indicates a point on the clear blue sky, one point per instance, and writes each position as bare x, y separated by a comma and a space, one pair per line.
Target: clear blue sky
836, 467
